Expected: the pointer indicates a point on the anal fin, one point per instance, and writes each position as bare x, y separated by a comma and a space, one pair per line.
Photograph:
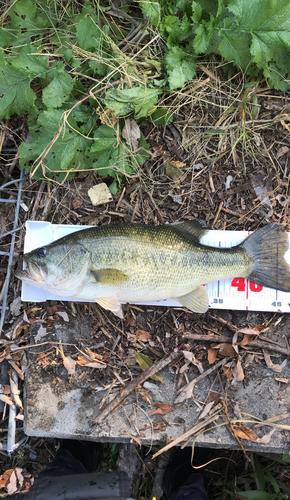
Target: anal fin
195, 301
111, 304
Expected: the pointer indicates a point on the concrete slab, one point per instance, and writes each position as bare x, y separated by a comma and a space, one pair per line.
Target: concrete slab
57, 405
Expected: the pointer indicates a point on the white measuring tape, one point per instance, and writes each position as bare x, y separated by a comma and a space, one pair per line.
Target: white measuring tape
236, 293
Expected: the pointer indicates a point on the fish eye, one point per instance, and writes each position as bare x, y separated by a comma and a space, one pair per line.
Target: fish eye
41, 252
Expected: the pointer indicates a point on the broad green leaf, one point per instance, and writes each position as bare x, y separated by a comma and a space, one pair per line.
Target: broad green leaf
88, 33
32, 65
144, 362
161, 117
105, 139
26, 22
196, 12
59, 89
5, 38
151, 9
181, 67
138, 99
102, 165
16, 96
201, 41
235, 47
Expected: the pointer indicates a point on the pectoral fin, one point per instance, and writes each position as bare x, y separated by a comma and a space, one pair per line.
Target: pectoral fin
196, 301
111, 304
109, 276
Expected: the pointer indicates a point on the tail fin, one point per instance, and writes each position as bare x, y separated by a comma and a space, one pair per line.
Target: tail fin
266, 248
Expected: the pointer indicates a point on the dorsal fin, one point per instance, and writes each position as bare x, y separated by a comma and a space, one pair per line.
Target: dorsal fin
191, 227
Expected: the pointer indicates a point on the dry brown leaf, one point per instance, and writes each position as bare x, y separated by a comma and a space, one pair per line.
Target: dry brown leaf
238, 372
161, 426
43, 359
15, 391
226, 350
69, 364
7, 400
12, 484
20, 477
142, 335
244, 432
85, 361
282, 151
63, 315
228, 372
184, 395
131, 133
213, 396
192, 359
206, 410
212, 355
5, 477
17, 369
77, 203
162, 409
274, 367
267, 438
41, 333
178, 164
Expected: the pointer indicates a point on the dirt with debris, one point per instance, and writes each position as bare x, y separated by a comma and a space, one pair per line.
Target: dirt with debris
236, 178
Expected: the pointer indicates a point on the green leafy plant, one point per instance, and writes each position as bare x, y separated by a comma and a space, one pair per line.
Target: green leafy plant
251, 34
72, 72
55, 67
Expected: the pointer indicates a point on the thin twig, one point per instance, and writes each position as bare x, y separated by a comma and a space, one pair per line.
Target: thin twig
223, 339
130, 387
203, 375
194, 430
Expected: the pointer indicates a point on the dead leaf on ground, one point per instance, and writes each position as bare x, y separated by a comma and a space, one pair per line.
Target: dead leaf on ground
213, 396
43, 360
206, 410
5, 477
228, 372
15, 391
192, 359
85, 361
7, 400
131, 133
282, 151
41, 333
267, 438
161, 426
77, 203
142, 335
63, 315
244, 432
69, 364
225, 350
162, 409
185, 394
238, 372
212, 355
274, 367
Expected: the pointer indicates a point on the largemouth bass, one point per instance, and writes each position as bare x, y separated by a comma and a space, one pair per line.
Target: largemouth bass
140, 263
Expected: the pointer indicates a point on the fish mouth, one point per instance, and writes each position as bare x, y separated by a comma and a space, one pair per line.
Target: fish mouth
32, 272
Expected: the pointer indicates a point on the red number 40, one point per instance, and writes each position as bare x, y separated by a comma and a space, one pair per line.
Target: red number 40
240, 283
